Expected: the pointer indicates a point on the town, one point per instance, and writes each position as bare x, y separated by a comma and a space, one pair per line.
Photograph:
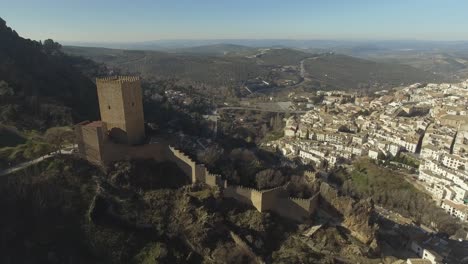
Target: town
421, 128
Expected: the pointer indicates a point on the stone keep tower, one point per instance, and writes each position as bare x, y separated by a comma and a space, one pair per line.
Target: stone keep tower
121, 107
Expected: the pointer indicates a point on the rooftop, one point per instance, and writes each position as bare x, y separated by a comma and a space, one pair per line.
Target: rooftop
459, 207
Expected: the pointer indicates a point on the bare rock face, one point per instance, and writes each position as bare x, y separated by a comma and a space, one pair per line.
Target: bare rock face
356, 215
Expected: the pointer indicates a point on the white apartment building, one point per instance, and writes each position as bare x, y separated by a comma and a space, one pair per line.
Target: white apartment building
454, 162
457, 210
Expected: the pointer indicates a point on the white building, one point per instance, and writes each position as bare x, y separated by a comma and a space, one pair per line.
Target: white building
457, 210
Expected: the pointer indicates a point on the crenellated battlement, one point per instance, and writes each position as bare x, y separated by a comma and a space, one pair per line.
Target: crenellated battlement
117, 79
300, 199
304, 199
239, 187
181, 154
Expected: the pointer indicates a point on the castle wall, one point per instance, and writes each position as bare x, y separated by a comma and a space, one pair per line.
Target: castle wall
90, 142
275, 200
201, 172
244, 195
155, 151
214, 180
296, 208
183, 161
270, 198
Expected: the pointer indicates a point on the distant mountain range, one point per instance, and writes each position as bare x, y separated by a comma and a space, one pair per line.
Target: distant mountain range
448, 58
331, 45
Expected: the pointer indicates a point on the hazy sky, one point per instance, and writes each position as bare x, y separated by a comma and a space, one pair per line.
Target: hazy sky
140, 20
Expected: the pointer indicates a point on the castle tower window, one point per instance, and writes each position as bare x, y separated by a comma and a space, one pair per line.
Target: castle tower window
108, 106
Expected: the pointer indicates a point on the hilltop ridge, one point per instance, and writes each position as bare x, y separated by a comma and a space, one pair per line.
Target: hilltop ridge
41, 86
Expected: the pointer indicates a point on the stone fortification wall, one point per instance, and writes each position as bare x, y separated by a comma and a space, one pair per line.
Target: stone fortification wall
115, 152
198, 172
203, 175
91, 139
296, 208
244, 195
97, 148
275, 200
270, 198
183, 161
308, 205
214, 180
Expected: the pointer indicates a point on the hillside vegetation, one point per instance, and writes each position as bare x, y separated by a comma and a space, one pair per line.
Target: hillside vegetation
64, 210
389, 189
196, 70
219, 50
334, 71
227, 74
40, 86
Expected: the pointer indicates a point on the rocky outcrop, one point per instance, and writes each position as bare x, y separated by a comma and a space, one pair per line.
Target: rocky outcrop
356, 215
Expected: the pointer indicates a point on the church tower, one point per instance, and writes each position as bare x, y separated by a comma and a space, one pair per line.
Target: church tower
121, 107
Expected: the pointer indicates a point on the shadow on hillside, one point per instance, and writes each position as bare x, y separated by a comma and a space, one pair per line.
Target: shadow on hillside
148, 175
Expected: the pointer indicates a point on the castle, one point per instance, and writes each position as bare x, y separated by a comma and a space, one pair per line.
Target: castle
120, 135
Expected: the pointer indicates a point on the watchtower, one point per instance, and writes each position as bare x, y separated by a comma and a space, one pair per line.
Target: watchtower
121, 107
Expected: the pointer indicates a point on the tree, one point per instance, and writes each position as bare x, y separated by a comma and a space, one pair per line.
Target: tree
269, 178
58, 136
51, 47
210, 155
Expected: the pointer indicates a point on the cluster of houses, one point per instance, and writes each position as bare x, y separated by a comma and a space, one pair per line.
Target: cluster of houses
426, 124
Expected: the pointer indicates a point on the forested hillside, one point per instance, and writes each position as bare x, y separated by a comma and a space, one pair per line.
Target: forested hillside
42, 87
